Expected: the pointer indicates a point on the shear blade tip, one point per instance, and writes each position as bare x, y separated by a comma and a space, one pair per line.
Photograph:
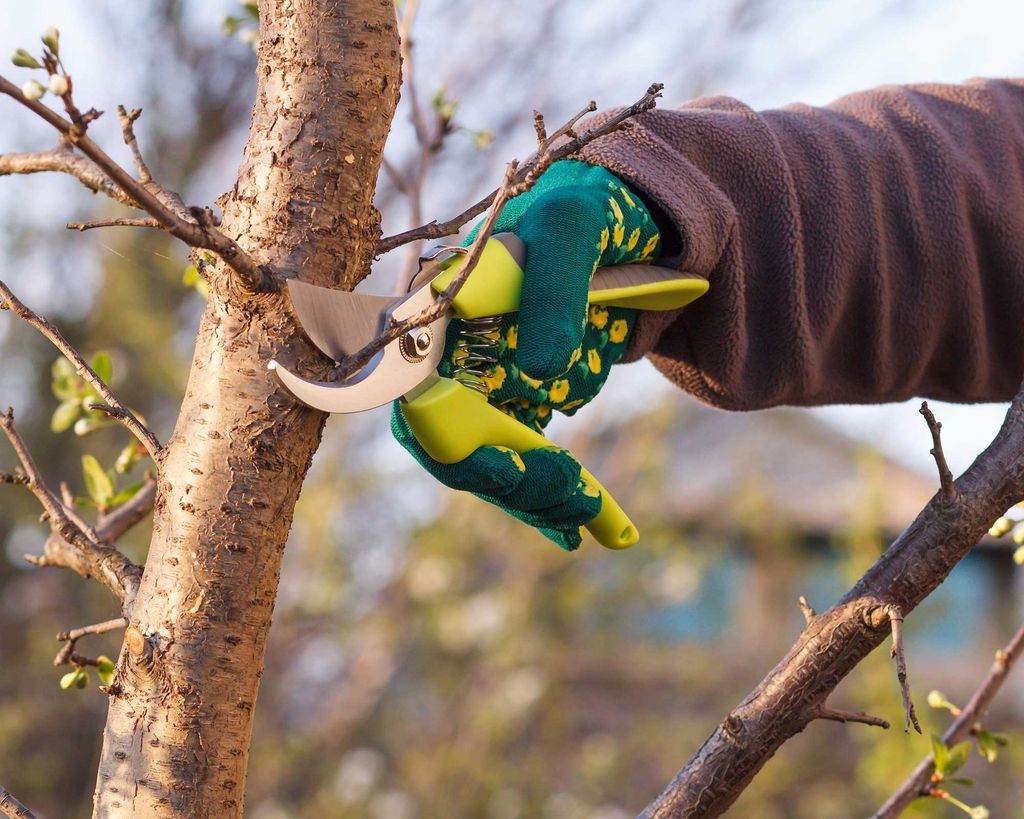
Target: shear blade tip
271, 365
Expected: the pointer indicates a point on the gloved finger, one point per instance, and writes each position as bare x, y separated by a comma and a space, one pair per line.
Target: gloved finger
550, 479
560, 259
489, 471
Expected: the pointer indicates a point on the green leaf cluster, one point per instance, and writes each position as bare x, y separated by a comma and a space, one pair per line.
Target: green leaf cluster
101, 485
77, 396
78, 677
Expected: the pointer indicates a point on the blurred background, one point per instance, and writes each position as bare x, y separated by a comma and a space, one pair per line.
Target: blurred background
429, 656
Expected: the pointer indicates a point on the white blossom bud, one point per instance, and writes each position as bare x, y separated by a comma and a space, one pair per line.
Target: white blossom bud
58, 85
33, 89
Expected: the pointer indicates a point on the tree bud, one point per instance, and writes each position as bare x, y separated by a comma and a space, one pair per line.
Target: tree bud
22, 58
59, 85
51, 39
33, 90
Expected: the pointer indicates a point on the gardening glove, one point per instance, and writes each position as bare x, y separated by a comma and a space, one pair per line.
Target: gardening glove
555, 353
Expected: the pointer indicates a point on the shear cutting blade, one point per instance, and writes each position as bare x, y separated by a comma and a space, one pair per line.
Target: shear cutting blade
338, 322
394, 372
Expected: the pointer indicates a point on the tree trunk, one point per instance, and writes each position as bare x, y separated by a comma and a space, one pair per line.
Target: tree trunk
177, 736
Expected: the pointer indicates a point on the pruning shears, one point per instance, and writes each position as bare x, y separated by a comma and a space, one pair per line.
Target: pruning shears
451, 417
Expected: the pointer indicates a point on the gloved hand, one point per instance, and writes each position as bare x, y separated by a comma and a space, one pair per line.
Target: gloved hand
555, 354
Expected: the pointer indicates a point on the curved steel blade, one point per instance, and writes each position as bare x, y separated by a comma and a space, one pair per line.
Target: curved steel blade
391, 375
339, 323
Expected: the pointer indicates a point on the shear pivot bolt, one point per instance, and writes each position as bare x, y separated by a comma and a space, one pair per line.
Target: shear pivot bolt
416, 344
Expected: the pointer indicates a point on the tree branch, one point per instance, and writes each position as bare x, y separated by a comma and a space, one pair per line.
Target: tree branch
834, 642
851, 716
545, 155
70, 638
897, 652
252, 275
123, 222
75, 544
8, 301
966, 723
11, 807
63, 159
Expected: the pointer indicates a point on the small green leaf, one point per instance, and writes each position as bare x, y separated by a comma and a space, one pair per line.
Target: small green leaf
83, 678
253, 10
69, 679
126, 459
105, 669
940, 752
958, 755
65, 415
190, 276
22, 58
97, 482
126, 494
987, 746
51, 39
1002, 740
102, 367
64, 380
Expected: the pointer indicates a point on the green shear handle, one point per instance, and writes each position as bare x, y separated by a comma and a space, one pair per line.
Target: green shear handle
451, 420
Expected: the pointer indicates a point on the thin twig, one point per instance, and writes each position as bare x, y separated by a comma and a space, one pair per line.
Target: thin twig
533, 167
11, 807
966, 723
909, 714
806, 609
123, 222
70, 638
144, 435
945, 476
253, 276
851, 716
14, 478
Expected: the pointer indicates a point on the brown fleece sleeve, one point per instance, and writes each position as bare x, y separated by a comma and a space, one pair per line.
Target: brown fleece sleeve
868, 251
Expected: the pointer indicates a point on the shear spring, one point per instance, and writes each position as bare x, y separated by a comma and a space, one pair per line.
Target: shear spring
479, 340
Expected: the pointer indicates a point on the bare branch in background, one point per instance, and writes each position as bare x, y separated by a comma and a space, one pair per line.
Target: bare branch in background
50, 331
834, 642
11, 807
530, 170
253, 276
967, 722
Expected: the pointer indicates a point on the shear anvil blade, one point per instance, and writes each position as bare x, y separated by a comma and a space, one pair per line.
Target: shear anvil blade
339, 323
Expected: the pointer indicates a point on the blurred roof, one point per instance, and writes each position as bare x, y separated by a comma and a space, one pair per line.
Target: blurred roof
782, 466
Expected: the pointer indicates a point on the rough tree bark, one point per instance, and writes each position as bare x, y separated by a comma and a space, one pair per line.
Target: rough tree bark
177, 736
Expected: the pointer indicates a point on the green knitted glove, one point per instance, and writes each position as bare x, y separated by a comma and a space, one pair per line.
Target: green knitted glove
555, 354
